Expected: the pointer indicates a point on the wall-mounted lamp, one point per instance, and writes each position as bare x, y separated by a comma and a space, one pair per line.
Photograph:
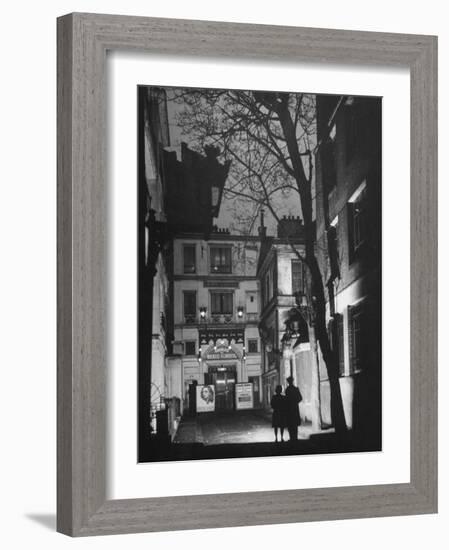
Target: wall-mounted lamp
240, 312
199, 356
203, 311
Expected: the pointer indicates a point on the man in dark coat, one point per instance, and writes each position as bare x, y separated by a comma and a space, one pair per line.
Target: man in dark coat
293, 397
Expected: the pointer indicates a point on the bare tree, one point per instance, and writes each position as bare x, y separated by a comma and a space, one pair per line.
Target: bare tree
270, 138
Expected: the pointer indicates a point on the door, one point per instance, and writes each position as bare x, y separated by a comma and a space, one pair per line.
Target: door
223, 378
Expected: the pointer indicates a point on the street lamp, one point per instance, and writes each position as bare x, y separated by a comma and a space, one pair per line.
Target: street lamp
307, 310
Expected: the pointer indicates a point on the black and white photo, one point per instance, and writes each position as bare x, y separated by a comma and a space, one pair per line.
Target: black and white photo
259, 261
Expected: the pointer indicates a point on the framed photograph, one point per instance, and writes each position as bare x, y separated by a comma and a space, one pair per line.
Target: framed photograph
237, 291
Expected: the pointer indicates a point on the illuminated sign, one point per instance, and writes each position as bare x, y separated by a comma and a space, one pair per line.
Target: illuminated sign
221, 355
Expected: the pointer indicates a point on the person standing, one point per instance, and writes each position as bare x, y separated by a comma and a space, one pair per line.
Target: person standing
293, 397
278, 403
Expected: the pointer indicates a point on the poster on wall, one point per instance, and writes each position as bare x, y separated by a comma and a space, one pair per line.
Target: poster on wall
244, 395
205, 398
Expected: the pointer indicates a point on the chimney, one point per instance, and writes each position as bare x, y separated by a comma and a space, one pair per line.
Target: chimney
262, 228
290, 227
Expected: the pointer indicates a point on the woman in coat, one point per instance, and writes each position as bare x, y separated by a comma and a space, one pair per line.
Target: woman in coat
278, 404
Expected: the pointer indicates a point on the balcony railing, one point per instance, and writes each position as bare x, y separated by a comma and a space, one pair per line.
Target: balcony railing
222, 319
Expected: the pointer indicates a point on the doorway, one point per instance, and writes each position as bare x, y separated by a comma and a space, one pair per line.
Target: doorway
223, 378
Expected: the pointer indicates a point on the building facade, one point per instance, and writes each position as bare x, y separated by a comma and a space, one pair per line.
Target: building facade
167, 183
282, 278
216, 312
348, 181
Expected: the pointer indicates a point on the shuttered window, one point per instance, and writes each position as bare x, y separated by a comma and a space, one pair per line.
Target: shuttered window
355, 319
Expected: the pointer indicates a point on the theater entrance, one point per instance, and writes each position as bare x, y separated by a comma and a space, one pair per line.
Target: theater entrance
223, 378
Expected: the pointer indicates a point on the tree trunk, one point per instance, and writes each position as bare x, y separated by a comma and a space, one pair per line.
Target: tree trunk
337, 411
315, 382
305, 193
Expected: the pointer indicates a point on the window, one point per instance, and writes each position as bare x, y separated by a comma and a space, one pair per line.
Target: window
189, 258
268, 287
190, 302
357, 221
220, 259
297, 277
253, 346
190, 347
221, 303
355, 314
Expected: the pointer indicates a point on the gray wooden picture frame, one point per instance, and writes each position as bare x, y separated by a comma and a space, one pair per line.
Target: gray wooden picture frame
83, 40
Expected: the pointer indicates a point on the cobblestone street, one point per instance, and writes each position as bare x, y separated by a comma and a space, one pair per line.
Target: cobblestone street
229, 428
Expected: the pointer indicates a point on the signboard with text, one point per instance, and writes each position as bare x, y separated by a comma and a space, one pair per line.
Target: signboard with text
244, 395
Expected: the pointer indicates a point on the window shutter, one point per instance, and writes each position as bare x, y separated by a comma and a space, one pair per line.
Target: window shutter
355, 319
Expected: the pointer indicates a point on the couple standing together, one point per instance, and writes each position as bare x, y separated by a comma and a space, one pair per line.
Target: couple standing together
286, 410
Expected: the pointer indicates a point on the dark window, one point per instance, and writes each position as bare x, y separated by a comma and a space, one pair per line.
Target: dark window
357, 224
221, 303
297, 277
253, 346
189, 302
268, 288
190, 348
220, 259
356, 336
189, 258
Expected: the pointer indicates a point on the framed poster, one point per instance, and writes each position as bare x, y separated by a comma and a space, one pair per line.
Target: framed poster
244, 398
83, 506
205, 399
